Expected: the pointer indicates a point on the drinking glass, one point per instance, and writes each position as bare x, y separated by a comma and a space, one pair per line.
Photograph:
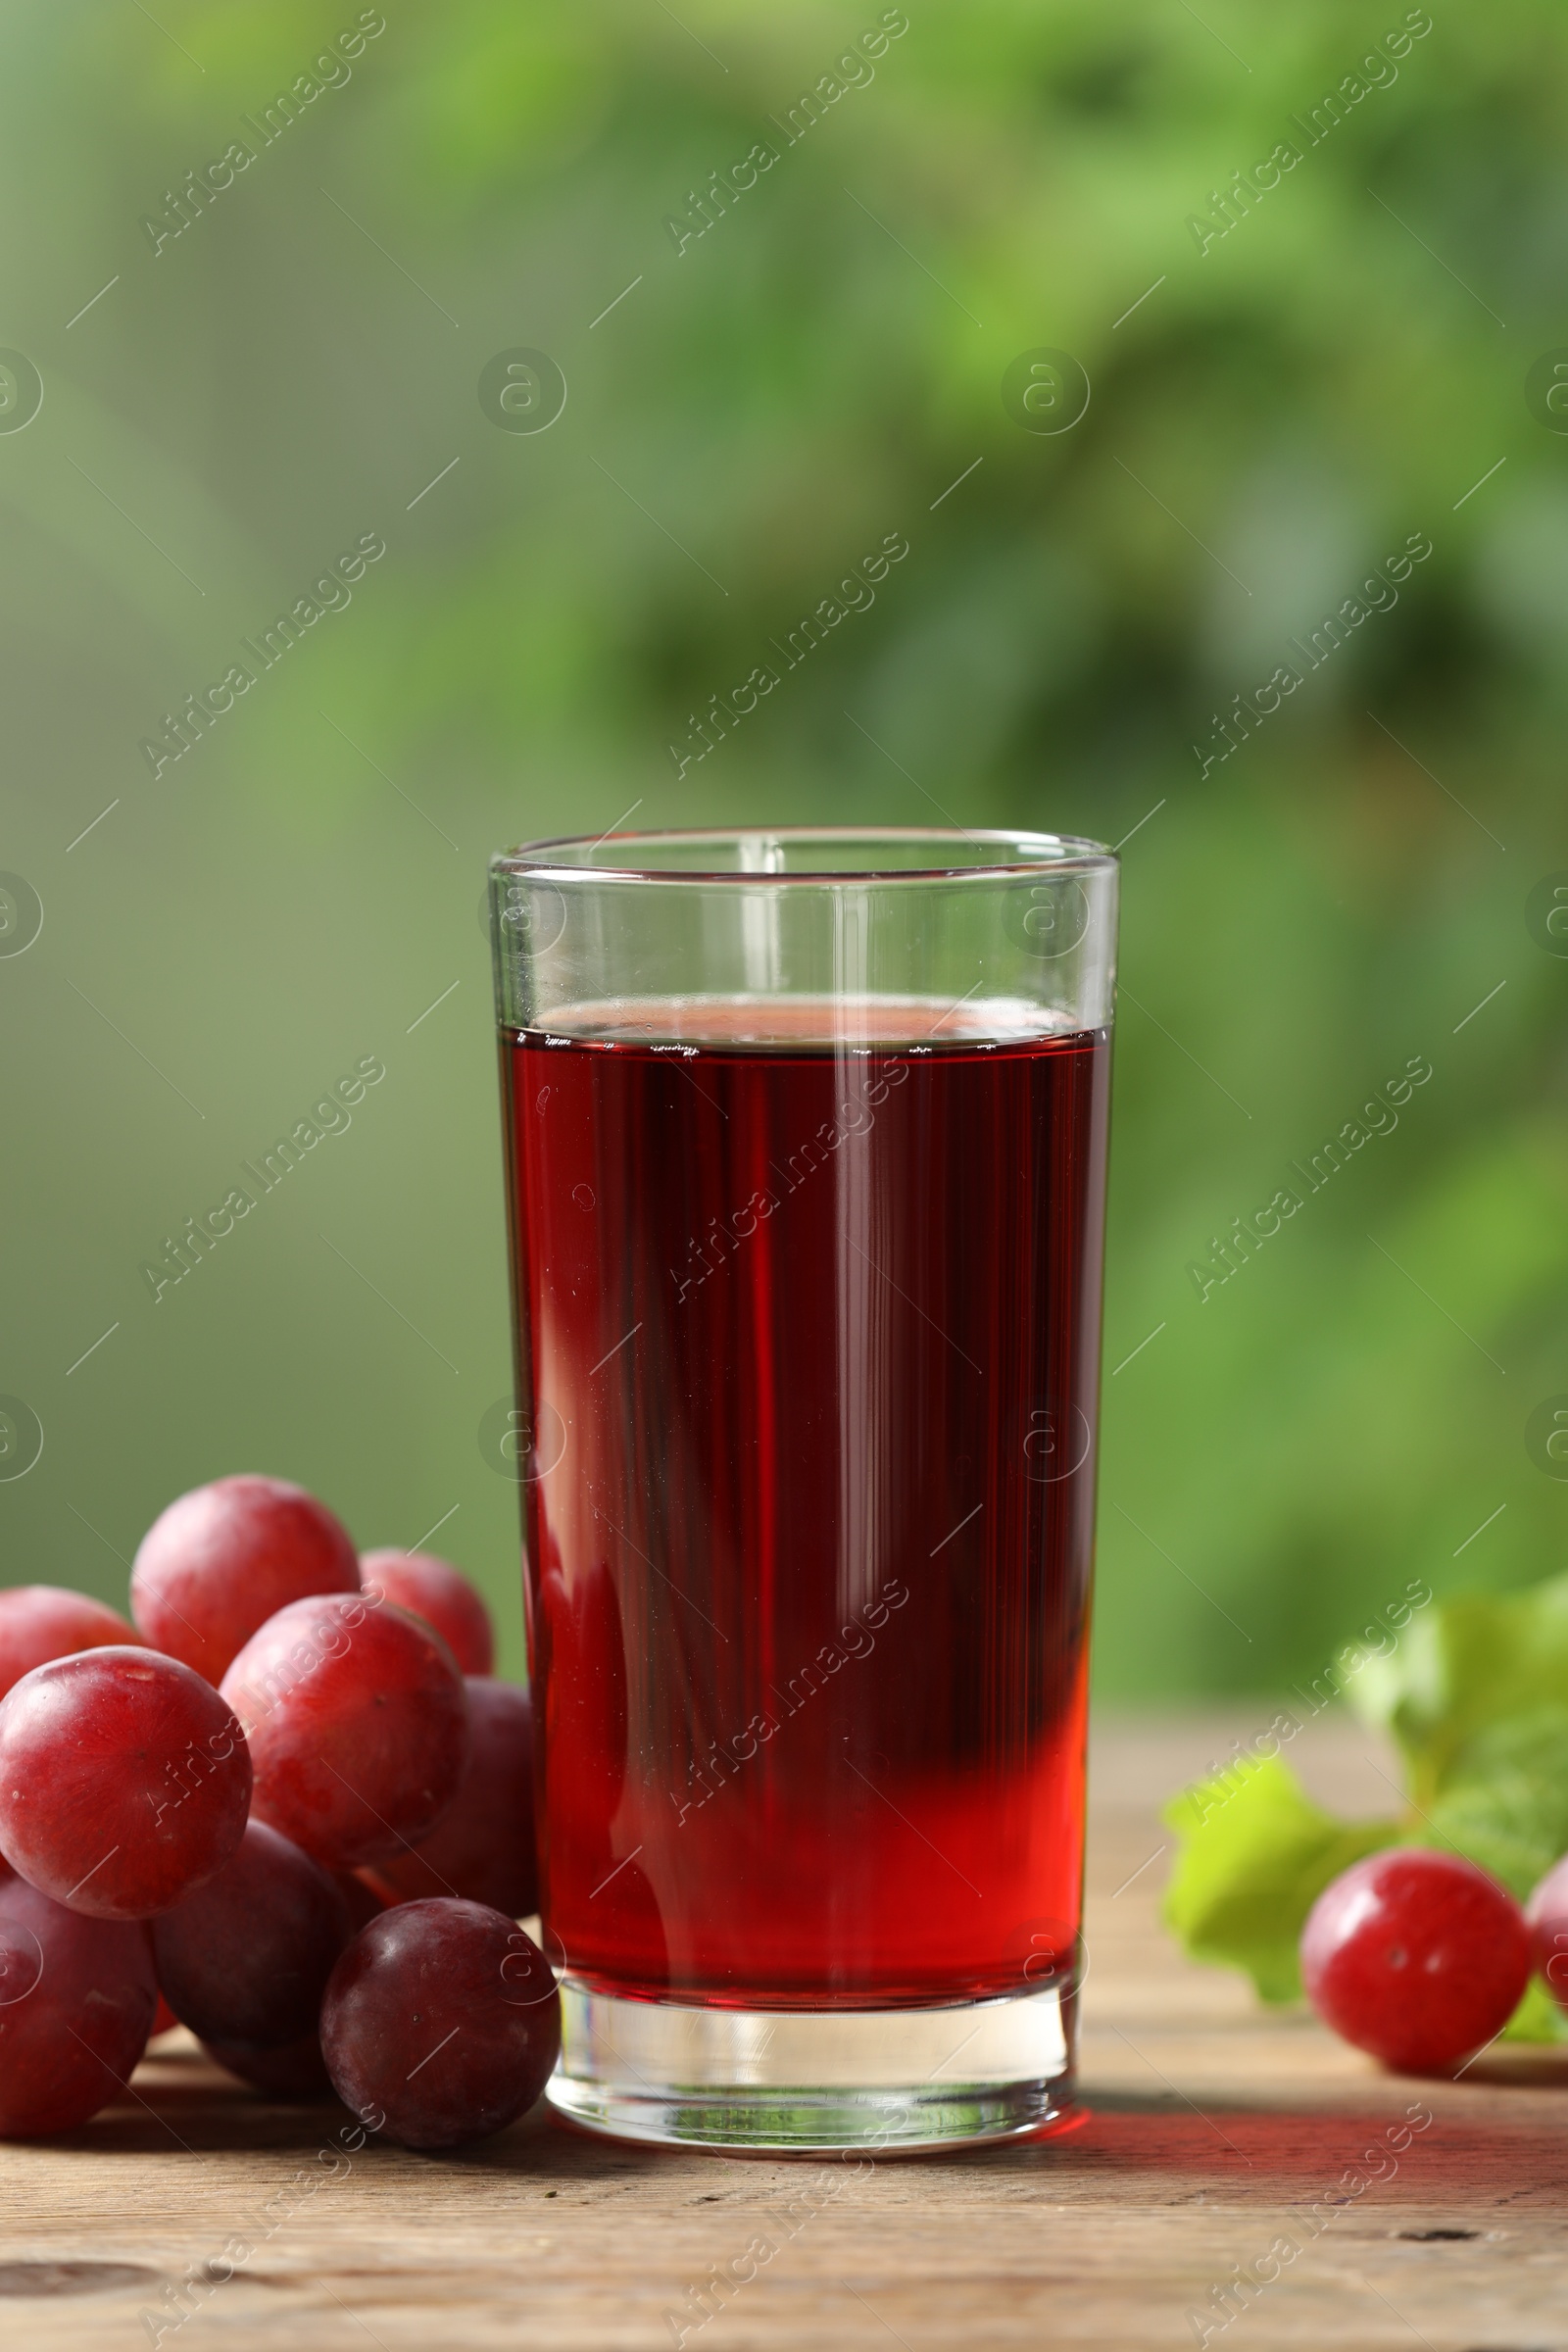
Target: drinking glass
806, 1146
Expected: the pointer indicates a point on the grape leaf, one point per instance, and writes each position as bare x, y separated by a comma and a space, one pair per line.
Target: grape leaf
1504, 1799
1256, 1853
1462, 1667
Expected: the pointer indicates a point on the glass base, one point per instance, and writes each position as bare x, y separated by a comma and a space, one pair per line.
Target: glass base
791, 2081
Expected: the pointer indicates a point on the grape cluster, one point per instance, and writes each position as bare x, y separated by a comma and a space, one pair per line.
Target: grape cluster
290, 1808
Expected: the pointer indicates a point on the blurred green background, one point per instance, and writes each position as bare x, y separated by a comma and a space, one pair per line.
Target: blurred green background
1273, 412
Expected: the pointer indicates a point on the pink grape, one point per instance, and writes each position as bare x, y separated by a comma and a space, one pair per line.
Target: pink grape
124, 1782
443, 2018
1417, 1956
246, 1958
76, 2006
40, 1622
432, 1589
358, 1725
483, 1844
1547, 1914
223, 1559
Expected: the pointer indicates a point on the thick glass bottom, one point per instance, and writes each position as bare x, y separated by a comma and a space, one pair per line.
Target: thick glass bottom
790, 2081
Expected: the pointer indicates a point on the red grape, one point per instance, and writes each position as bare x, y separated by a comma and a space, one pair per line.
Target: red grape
432, 1589
443, 2017
1417, 1956
223, 1558
1547, 1914
291, 2071
246, 1958
483, 1844
77, 2005
40, 1622
123, 1781
164, 2020
358, 1725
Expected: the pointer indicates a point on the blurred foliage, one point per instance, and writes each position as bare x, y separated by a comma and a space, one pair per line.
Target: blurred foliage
1476, 1697
1271, 417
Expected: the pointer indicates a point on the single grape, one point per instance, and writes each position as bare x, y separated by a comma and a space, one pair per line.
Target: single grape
432, 1589
246, 1958
40, 1622
483, 1844
443, 2018
223, 1558
358, 1725
1547, 1914
294, 2071
123, 1781
76, 2006
1415, 1956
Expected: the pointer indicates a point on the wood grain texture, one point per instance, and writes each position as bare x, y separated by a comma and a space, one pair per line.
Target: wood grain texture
1214, 2131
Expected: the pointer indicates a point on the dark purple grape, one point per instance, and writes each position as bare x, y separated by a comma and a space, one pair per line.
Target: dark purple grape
482, 1848
294, 2071
246, 1958
77, 2005
442, 2020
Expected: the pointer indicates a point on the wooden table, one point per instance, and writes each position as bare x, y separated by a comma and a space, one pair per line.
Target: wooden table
1216, 2131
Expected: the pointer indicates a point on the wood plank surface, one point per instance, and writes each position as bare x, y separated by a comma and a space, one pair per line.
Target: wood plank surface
1215, 2132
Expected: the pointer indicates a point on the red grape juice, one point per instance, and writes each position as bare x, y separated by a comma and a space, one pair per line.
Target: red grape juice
808, 1354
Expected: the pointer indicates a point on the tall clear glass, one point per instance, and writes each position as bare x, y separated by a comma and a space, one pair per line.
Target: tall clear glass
806, 1150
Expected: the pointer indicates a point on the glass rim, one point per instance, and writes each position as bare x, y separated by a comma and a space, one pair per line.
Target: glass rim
1033, 854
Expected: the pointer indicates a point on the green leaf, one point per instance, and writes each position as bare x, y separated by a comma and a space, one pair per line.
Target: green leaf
1504, 1803
1460, 1668
1255, 1855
